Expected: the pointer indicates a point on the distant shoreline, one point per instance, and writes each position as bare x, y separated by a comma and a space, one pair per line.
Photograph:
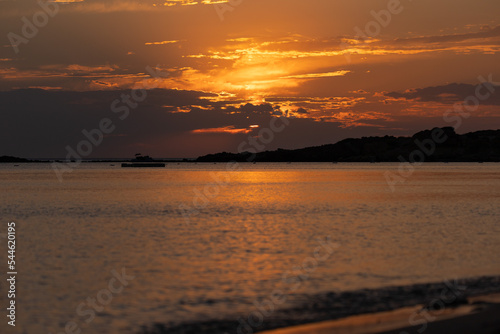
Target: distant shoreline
436, 145
9, 159
172, 162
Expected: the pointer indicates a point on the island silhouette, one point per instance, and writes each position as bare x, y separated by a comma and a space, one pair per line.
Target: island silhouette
479, 146
435, 145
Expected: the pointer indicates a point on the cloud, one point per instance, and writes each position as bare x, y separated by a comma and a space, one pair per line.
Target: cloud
24, 7
73, 77
485, 34
450, 93
161, 43
226, 129
485, 41
41, 123
249, 108
317, 75
259, 49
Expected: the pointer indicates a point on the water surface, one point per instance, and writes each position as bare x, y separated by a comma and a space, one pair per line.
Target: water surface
246, 230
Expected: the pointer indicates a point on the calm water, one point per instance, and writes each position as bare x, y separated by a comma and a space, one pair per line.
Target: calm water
261, 222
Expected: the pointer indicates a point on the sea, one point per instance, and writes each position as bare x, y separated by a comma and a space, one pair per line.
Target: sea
241, 247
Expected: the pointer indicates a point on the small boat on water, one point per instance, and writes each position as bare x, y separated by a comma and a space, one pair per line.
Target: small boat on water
143, 161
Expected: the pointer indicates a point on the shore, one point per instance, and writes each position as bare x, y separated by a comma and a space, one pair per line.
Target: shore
468, 305
481, 314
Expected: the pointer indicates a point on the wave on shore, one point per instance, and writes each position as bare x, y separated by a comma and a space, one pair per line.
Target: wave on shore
336, 305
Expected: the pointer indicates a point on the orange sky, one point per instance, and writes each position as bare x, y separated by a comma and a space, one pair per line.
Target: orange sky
340, 68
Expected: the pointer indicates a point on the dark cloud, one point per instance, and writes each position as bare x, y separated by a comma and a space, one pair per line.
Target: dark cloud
38, 123
450, 93
264, 108
485, 33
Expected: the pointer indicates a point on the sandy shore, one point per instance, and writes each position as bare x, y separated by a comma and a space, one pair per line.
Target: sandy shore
480, 315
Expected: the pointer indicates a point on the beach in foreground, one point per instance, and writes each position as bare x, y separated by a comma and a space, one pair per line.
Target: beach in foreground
478, 315
459, 306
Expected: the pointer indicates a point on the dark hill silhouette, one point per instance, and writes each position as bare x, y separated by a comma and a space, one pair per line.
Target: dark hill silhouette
476, 146
6, 158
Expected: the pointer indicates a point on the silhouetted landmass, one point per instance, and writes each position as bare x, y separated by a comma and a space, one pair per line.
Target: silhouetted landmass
479, 146
6, 158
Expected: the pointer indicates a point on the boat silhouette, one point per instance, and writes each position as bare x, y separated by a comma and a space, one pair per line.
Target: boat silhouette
143, 161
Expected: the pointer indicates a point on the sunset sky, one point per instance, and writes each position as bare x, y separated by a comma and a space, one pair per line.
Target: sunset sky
227, 67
